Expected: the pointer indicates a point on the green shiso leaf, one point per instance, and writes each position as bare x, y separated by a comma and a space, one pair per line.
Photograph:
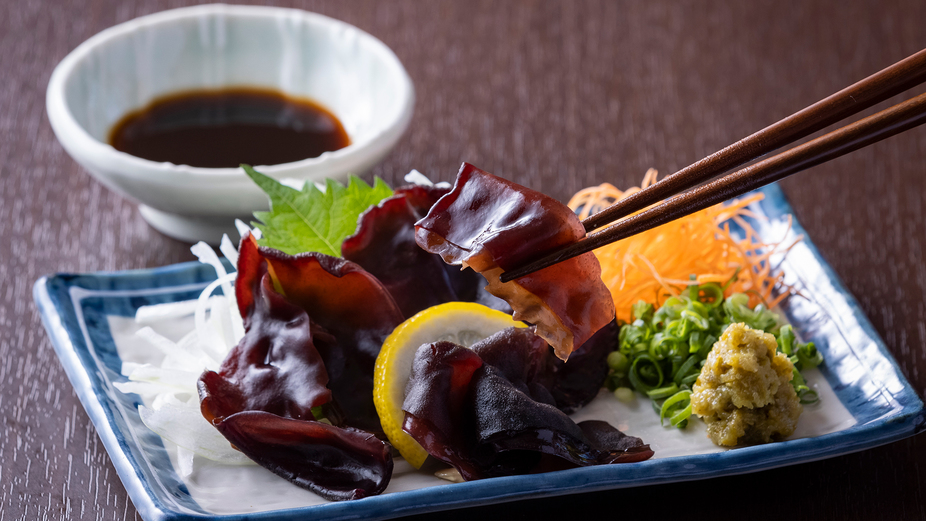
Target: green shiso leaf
309, 219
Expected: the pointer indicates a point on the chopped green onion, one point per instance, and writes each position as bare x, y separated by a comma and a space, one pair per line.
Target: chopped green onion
624, 394
690, 380
677, 407
805, 394
808, 356
711, 294
685, 370
808, 397
786, 339
662, 392
618, 362
662, 351
642, 311
645, 374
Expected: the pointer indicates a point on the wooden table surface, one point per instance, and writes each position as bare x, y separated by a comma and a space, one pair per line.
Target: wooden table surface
554, 95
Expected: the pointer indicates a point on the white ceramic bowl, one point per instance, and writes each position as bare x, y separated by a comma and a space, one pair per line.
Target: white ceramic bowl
212, 46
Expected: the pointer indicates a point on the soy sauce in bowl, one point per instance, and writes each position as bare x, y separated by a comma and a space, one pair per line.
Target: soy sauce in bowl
224, 128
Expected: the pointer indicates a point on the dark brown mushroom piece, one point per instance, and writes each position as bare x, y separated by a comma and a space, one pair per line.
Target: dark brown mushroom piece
492, 225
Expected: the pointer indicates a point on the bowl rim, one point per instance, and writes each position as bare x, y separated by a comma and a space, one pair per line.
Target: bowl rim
78, 141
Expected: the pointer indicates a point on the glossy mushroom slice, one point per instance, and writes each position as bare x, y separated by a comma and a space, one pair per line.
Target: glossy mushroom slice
491, 225
357, 313
577, 382
497, 419
336, 463
351, 311
384, 245
468, 285
265, 397
275, 368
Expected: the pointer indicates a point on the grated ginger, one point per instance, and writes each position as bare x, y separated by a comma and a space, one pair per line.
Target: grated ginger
657, 264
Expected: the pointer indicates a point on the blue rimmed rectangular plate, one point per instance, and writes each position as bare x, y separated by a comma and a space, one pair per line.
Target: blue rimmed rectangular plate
860, 381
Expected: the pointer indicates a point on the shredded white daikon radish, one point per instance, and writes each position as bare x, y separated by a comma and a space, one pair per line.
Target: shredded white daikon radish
417, 178
159, 312
182, 423
169, 388
228, 250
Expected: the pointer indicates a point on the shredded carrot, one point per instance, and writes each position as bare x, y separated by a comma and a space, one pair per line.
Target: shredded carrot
659, 263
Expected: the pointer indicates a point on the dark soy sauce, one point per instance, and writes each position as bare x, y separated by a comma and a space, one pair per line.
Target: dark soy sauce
224, 128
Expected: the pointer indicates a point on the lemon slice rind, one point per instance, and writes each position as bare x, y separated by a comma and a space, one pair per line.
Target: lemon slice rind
463, 323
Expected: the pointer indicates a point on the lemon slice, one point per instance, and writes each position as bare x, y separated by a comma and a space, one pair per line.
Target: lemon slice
463, 323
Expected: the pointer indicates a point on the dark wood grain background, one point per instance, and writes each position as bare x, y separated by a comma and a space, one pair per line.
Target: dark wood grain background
554, 95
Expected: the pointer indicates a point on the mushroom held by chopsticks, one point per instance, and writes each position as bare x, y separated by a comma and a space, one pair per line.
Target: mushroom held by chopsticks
491, 225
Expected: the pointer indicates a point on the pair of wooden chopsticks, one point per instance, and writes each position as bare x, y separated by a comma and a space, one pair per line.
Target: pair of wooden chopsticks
874, 89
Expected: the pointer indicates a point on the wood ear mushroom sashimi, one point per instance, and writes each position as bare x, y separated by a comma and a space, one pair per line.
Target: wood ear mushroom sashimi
491, 224
295, 395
